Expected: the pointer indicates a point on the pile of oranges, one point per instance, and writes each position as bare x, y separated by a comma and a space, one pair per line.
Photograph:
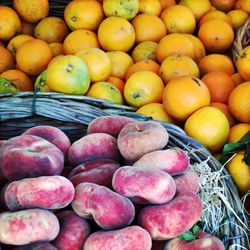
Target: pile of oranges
169, 59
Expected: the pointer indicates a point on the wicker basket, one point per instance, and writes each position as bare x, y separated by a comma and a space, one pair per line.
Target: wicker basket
72, 114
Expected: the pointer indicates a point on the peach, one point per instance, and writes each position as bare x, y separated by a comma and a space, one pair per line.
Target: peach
74, 231
36, 246
110, 124
96, 171
51, 134
109, 209
139, 138
144, 185
30, 156
169, 220
128, 238
49, 192
28, 226
187, 181
94, 146
173, 160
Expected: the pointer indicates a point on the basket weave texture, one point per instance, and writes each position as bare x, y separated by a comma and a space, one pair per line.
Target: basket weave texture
72, 114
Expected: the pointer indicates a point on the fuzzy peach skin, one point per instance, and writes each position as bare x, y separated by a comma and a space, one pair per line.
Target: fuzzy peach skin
28, 226
111, 124
128, 238
187, 181
139, 138
99, 171
109, 209
49, 192
74, 231
173, 160
144, 185
28, 156
36, 246
168, 220
93, 146
51, 134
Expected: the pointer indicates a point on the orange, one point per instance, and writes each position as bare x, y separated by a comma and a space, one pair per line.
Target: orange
219, 84
224, 108
239, 102
105, 91
9, 22
237, 79
240, 173
33, 56
86, 14
145, 50
184, 95
17, 41
198, 8
209, 126
143, 87
178, 65
152, 7
1, 44
238, 131
216, 62
32, 10
119, 83
6, 60
223, 5
57, 49
155, 30
216, 35
21, 80
40, 82
126, 8
78, 40
68, 74
199, 49
243, 5
215, 14
167, 3
155, 111
174, 44
116, 33
51, 30
242, 63
120, 62
238, 18
146, 64
27, 28
98, 62
175, 24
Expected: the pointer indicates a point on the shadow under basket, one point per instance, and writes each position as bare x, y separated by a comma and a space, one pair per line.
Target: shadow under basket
72, 114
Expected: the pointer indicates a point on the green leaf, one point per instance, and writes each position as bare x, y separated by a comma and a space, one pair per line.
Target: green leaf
195, 229
188, 236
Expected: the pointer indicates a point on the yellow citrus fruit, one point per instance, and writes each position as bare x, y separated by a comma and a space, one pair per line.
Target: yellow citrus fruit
145, 50
6, 59
175, 24
209, 126
238, 18
243, 63
86, 14
98, 62
17, 41
237, 131
240, 173
239, 102
120, 62
243, 5
10, 23
125, 8
156, 111
183, 95
116, 33
68, 74
178, 65
106, 91
143, 87
151, 7
51, 30
57, 48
